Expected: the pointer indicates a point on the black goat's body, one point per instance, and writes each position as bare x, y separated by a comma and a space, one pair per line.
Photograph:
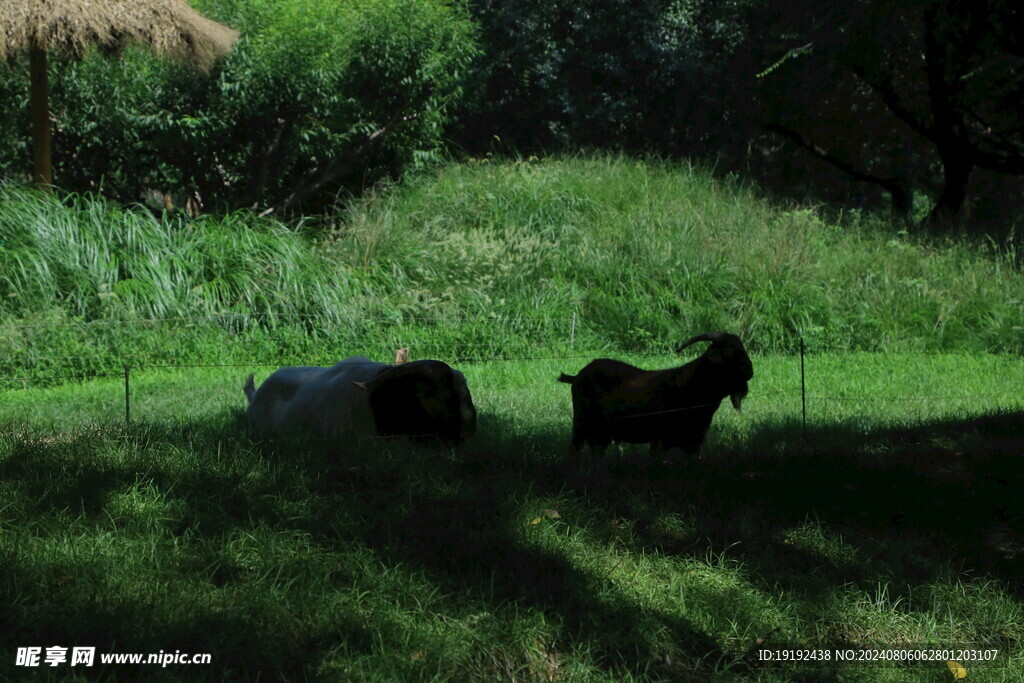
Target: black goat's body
669, 409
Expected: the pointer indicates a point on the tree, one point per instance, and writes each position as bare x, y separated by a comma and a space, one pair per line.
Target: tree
888, 91
634, 74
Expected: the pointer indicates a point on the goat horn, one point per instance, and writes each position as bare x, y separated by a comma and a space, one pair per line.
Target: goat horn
707, 336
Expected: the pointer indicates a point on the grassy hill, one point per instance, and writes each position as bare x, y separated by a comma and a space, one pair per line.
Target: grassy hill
483, 260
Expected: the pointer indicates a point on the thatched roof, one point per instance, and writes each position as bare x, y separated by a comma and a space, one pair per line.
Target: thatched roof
169, 27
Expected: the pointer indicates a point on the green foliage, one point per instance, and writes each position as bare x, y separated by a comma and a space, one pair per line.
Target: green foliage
488, 259
621, 74
296, 102
849, 80
323, 99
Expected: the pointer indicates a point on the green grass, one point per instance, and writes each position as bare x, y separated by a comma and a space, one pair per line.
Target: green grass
896, 521
183, 532
487, 260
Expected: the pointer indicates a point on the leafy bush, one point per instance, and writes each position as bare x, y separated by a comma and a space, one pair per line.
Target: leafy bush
293, 109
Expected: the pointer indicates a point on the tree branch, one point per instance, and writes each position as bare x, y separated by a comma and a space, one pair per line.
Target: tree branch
339, 165
896, 188
268, 157
892, 101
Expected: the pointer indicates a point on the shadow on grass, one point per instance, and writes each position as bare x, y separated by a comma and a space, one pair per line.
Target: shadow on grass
909, 502
897, 508
952, 484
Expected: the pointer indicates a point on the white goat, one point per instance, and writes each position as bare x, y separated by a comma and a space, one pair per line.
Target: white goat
360, 398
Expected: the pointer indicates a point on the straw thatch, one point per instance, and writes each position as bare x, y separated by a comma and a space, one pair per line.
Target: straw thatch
169, 27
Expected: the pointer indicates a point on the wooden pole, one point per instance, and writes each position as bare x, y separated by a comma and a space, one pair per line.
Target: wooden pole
803, 390
39, 109
127, 396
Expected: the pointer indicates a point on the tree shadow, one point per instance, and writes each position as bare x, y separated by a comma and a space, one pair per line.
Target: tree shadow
905, 501
905, 505
954, 481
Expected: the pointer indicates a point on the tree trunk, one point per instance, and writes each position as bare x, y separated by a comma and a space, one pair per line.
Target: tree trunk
948, 129
42, 173
956, 170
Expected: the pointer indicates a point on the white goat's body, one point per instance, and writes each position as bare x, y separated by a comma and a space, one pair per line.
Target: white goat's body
325, 401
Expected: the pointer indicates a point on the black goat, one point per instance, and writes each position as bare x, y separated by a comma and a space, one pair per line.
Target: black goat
615, 401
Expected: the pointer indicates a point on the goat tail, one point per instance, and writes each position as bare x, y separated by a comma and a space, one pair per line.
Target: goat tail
568, 379
250, 387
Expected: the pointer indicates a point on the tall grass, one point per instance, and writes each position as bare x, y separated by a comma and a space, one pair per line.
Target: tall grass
94, 262
488, 259
649, 251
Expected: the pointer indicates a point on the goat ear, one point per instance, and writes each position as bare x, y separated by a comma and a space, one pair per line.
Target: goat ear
388, 375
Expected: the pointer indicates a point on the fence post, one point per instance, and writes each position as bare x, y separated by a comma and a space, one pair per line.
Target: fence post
127, 396
803, 391
572, 331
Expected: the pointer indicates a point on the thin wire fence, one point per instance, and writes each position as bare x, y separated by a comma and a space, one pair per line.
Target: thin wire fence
134, 363
257, 319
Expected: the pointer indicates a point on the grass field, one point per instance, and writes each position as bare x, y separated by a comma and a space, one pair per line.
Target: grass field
895, 520
899, 522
